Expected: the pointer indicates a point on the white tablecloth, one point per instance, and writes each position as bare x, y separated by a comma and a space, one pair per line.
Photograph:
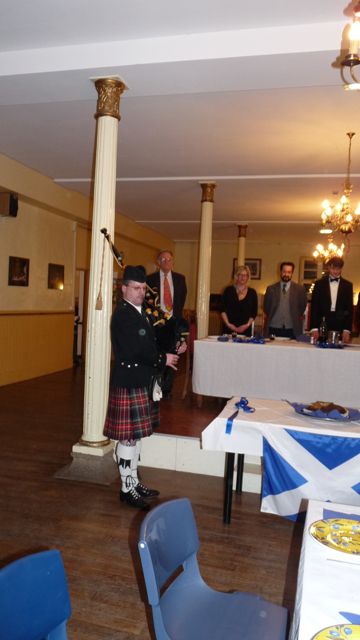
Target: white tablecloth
249, 428
300, 460
280, 369
328, 580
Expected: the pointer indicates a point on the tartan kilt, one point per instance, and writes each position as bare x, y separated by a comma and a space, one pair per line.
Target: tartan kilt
131, 414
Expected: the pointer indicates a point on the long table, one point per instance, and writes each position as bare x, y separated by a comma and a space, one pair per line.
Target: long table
277, 369
270, 419
328, 581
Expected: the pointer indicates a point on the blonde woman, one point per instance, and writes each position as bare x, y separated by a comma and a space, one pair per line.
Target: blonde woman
239, 304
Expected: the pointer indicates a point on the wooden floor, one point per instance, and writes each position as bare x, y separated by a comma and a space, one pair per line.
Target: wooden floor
40, 420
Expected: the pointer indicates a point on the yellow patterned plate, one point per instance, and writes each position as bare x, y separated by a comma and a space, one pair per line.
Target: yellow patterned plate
338, 533
339, 632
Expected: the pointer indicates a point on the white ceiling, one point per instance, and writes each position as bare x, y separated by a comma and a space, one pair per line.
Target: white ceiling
245, 93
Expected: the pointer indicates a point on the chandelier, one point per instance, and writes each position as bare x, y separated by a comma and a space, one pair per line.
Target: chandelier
352, 60
340, 216
329, 251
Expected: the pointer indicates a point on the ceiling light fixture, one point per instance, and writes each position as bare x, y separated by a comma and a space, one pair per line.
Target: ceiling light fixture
340, 216
332, 249
352, 59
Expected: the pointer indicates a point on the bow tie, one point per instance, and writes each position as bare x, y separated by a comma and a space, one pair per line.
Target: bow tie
334, 279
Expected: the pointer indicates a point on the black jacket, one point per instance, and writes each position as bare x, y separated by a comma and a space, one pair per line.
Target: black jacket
180, 290
137, 356
341, 318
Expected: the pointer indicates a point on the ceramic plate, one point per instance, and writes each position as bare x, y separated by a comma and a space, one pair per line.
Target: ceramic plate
333, 416
338, 533
339, 632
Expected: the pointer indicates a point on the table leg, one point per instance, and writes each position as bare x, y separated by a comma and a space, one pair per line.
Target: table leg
229, 474
240, 472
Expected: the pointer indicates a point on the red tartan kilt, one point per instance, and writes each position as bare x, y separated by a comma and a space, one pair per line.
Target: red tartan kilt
131, 414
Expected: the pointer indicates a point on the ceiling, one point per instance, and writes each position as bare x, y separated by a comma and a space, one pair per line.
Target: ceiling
248, 94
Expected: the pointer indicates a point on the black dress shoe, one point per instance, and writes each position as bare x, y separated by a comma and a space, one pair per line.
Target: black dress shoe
144, 492
133, 499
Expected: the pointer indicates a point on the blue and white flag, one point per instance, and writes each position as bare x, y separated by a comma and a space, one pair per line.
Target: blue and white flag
301, 466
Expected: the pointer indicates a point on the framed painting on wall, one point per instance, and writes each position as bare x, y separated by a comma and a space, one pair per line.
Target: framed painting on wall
18, 272
254, 264
56, 276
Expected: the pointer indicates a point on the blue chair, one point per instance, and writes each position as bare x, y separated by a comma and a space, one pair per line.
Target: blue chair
188, 609
34, 598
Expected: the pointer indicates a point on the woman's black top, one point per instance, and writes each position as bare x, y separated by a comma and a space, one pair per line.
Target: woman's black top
239, 311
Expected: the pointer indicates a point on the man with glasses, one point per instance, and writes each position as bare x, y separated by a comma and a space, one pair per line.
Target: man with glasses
171, 287
132, 414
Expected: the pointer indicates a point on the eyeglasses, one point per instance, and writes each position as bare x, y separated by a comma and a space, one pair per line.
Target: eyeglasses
166, 259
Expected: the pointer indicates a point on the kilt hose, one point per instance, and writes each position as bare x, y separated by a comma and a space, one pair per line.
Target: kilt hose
131, 414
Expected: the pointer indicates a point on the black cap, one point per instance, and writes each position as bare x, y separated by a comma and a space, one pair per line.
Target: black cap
137, 274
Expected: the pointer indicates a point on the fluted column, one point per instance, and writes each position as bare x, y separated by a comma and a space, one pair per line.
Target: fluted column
98, 350
242, 229
204, 269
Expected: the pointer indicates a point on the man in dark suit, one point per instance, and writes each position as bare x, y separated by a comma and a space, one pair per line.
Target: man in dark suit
285, 304
332, 299
171, 287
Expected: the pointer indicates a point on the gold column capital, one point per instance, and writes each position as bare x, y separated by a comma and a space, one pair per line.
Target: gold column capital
242, 230
109, 92
208, 189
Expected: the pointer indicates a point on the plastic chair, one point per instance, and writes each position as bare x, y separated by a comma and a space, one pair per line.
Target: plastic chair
34, 598
188, 609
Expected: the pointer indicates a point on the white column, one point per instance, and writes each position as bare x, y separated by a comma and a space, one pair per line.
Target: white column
242, 228
204, 269
98, 349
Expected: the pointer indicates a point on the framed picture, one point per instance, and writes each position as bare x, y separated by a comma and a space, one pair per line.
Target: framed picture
56, 276
254, 265
310, 270
18, 272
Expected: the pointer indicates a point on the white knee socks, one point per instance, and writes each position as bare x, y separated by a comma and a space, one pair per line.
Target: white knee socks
126, 454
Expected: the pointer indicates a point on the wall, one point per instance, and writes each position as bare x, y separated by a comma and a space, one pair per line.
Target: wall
271, 254
53, 225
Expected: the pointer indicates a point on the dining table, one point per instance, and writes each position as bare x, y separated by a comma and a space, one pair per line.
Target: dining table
327, 604
276, 369
311, 457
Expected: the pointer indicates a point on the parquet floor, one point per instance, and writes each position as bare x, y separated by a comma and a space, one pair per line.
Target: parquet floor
40, 420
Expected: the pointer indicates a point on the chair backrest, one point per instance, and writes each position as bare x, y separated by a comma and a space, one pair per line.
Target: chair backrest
168, 540
34, 598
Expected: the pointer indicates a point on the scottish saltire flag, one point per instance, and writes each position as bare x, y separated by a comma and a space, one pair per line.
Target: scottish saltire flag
299, 465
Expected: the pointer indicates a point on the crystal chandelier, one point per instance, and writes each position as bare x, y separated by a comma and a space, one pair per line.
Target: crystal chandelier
329, 251
352, 60
340, 216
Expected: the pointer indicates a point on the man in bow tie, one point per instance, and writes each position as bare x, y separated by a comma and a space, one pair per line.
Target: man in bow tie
332, 299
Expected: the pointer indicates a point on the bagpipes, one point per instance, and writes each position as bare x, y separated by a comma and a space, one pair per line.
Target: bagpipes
169, 331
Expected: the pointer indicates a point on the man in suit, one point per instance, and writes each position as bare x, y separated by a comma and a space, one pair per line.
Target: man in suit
332, 299
171, 287
285, 304
132, 414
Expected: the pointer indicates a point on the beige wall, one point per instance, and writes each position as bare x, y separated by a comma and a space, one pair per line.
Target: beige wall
270, 254
52, 226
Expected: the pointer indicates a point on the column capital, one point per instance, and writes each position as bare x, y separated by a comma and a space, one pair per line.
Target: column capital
109, 92
242, 230
208, 189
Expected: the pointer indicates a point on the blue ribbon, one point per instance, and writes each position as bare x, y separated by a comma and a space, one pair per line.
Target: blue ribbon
242, 404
